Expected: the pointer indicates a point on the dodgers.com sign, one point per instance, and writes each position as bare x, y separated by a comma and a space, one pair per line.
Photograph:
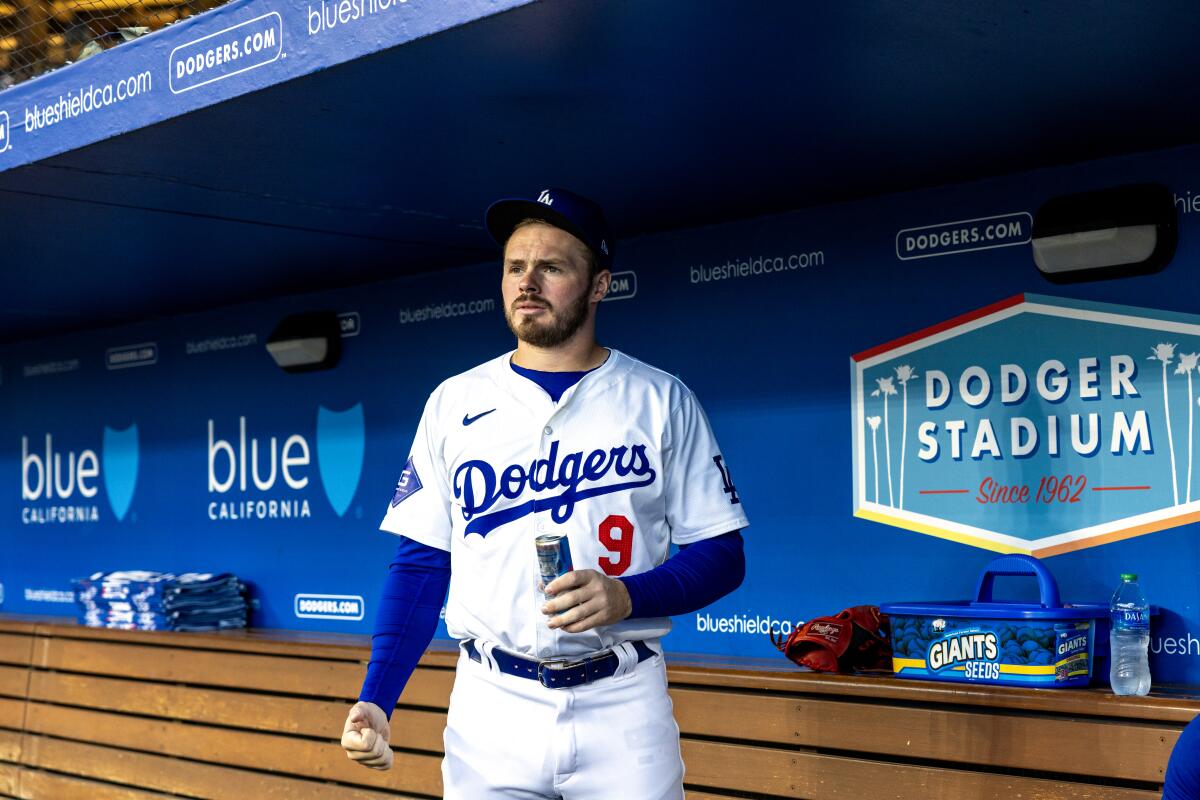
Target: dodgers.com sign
232, 51
964, 236
349, 607
1036, 425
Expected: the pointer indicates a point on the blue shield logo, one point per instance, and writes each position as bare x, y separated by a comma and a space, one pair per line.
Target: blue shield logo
341, 436
120, 460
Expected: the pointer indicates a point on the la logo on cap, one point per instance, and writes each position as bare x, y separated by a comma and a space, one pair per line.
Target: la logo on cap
545, 197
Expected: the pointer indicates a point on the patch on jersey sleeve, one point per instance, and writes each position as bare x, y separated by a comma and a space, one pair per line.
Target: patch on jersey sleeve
729, 488
409, 482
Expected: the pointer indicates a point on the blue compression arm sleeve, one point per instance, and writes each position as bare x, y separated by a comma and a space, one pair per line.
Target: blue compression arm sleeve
1183, 769
691, 579
408, 614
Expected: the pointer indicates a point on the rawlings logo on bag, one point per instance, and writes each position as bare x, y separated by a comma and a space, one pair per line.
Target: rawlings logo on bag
825, 630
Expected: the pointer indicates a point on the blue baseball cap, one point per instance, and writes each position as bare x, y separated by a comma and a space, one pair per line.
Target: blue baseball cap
561, 208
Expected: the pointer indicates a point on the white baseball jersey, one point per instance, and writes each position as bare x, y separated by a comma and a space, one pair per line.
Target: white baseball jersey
624, 464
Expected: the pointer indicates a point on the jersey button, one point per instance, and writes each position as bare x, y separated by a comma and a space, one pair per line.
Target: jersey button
547, 430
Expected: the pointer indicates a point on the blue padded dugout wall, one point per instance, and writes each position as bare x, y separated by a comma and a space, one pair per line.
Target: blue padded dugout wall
762, 318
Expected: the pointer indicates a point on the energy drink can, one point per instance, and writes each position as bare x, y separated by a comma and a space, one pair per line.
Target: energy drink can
553, 555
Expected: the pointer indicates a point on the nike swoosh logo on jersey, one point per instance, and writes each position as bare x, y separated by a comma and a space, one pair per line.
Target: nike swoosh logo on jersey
468, 419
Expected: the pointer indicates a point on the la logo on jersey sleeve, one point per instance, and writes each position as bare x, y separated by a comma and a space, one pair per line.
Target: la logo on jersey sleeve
408, 484
729, 488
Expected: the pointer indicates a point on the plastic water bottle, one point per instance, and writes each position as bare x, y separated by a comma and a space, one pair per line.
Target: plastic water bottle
1129, 639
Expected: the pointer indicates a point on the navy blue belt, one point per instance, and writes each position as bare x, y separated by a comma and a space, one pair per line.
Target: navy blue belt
559, 673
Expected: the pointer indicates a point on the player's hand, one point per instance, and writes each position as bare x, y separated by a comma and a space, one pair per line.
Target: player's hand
365, 737
587, 600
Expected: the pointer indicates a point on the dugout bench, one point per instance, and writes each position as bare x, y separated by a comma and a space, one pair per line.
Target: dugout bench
113, 715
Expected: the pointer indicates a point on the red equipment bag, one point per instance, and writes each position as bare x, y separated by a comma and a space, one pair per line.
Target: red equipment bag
855, 640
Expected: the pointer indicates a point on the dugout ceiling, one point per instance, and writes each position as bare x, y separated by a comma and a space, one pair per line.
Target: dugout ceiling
321, 172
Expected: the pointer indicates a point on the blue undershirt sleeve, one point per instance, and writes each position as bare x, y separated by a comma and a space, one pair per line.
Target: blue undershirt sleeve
1182, 781
697, 575
407, 618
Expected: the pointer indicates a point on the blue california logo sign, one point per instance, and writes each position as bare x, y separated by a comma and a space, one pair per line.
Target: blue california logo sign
1036, 425
60, 485
253, 475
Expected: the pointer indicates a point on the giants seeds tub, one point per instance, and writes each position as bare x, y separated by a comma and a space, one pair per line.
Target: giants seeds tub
1044, 644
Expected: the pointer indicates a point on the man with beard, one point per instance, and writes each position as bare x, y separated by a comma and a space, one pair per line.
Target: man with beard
560, 690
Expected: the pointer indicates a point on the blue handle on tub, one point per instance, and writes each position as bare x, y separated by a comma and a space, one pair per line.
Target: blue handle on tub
1018, 566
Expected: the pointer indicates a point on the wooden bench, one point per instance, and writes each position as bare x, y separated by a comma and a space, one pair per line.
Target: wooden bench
110, 715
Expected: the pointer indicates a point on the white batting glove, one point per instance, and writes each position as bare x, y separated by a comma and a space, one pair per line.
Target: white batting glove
587, 599
366, 735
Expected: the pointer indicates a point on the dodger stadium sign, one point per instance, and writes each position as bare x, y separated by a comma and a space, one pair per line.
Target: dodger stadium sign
1036, 425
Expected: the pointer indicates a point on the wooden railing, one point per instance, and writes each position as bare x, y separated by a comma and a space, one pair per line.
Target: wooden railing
106, 714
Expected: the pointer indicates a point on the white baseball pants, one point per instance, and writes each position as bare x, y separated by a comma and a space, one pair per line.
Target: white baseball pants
512, 738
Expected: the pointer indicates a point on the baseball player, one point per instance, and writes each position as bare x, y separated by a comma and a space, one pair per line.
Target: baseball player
560, 690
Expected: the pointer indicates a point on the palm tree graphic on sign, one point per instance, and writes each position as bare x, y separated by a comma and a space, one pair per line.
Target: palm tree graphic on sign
886, 388
874, 423
1166, 354
1186, 366
904, 374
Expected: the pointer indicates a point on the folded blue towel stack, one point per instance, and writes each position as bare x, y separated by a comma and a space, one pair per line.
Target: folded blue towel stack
161, 601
